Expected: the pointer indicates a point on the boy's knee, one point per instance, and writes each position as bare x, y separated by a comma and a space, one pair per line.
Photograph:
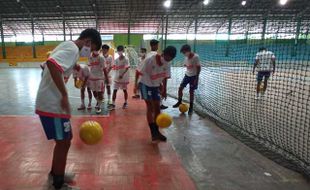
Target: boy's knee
64, 143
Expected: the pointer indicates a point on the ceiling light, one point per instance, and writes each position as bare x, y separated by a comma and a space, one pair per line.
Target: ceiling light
243, 3
205, 2
283, 2
167, 3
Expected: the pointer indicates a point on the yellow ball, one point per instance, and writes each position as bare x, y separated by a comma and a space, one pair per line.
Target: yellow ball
79, 84
183, 108
91, 132
163, 120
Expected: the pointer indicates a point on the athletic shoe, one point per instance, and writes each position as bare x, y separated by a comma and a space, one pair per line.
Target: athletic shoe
158, 137
89, 107
125, 105
177, 104
110, 102
65, 187
98, 111
256, 97
112, 107
68, 177
190, 111
82, 107
136, 96
163, 107
97, 106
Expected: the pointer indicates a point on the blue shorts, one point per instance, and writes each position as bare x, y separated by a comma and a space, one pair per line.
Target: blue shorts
261, 75
191, 81
149, 93
56, 128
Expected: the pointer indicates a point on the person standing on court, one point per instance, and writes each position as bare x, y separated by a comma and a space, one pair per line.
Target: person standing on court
265, 63
193, 68
154, 48
52, 102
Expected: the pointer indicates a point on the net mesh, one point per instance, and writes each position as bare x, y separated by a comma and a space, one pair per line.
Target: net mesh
277, 124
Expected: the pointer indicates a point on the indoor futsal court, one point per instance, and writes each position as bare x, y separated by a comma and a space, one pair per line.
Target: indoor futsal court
155, 95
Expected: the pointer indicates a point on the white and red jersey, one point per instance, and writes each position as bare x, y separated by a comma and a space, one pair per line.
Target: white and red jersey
153, 71
191, 63
64, 57
82, 73
265, 60
96, 67
119, 68
108, 62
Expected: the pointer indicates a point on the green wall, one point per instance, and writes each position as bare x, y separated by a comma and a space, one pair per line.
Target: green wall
122, 39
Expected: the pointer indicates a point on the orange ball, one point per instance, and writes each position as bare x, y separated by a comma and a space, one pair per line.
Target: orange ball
163, 120
183, 108
91, 132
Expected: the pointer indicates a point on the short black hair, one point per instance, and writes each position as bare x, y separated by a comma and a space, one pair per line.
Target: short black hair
185, 48
105, 46
143, 49
154, 42
171, 51
94, 36
262, 49
120, 48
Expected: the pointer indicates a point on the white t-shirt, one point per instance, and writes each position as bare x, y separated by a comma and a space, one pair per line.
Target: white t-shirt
108, 63
64, 57
151, 53
96, 67
265, 60
140, 63
119, 68
81, 74
153, 74
191, 65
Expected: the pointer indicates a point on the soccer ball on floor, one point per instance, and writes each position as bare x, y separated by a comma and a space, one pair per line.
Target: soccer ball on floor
91, 132
164, 120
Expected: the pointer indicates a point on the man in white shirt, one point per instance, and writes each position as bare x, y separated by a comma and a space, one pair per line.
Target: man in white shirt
153, 75
121, 77
142, 56
52, 102
81, 73
192, 64
265, 63
109, 62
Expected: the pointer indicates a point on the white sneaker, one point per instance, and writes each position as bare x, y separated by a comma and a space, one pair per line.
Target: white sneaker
256, 97
98, 111
68, 177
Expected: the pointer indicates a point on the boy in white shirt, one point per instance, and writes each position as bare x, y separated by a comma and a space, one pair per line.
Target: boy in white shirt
81, 72
52, 102
142, 57
97, 78
109, 62
192, 64
265, 62
153, 75
121, 76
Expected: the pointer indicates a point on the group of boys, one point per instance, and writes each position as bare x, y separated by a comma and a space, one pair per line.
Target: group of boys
52, 103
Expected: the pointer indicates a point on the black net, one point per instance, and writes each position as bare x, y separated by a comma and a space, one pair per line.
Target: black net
278, 123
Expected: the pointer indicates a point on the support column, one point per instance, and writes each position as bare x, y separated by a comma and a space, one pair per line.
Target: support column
196, 28
166, 32
264, 29
128, 34
64, 26
162, 33
229, 34
34, 55
70, 35
2, 39
43, 40
294, 52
